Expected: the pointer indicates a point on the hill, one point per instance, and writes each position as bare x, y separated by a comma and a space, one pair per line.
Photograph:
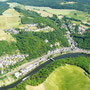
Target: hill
3, 6
82, 5
64, 78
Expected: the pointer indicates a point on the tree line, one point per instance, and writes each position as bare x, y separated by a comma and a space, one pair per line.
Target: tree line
42, 74
81, 5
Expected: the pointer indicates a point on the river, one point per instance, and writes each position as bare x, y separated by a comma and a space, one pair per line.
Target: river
42, 66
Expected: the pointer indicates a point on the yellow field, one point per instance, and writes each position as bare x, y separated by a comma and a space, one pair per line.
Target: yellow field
2, 22
9, 19
51, 11
6, 36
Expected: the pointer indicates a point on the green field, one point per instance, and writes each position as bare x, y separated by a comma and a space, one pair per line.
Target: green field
83, 16
67, 77
47, 11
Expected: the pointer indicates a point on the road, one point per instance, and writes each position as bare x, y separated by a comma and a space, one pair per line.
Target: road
40, 67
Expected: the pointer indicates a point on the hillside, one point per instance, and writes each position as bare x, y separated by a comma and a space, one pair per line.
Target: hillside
82, 5
33, 32
64, 78
3, 6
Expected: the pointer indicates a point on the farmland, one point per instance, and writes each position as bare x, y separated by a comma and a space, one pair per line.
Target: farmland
26, 30
9, 19
47, 11
64, 78
83, 16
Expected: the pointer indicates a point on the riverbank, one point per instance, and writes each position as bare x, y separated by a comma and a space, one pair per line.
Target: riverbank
41, 66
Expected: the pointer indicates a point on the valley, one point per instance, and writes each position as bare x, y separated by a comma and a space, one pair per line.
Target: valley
33, 34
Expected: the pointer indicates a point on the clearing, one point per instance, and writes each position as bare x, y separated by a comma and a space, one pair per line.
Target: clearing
9, 19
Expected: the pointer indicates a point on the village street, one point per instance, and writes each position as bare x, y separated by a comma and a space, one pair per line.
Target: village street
33, 63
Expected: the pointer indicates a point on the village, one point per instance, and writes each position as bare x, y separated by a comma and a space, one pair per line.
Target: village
12, 30
6, 61
44, 58
71, 27
30, 26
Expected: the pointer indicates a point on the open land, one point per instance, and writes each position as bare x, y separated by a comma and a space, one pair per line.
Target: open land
65, 78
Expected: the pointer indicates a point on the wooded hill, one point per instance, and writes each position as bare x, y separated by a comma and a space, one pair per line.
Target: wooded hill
82, 5
3, 7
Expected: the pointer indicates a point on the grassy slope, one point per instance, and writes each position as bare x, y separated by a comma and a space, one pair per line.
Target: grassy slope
67, 77
83, 16
9, 19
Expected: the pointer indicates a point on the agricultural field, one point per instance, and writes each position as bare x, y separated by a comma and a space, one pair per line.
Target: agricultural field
9, 19
64, 78
83, 16
47, 11
6, 36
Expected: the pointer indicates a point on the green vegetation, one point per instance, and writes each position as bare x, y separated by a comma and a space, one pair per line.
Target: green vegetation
81, 5
3, 7
7, 48
27, 43
33, 43
42, 74
64, 78
26, 20
83, 41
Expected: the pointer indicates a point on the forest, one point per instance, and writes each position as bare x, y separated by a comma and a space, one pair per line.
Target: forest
3, 7
34, 43
7, 48
42, 74
81, 5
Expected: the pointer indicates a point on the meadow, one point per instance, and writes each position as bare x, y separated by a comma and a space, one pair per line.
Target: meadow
9, 19
83, 16
66, 77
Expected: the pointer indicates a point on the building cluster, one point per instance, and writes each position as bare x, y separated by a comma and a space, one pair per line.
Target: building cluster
70, 40
32, 25
57, 44
8, 60
64, 26
71, 26
12, 31
46, 41
37, 30
81, 29
41, 29
28, 68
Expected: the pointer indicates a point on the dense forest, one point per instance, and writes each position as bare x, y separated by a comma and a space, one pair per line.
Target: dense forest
42, 74
34, 43
82, 5
7, 48
3, 7
27, 43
